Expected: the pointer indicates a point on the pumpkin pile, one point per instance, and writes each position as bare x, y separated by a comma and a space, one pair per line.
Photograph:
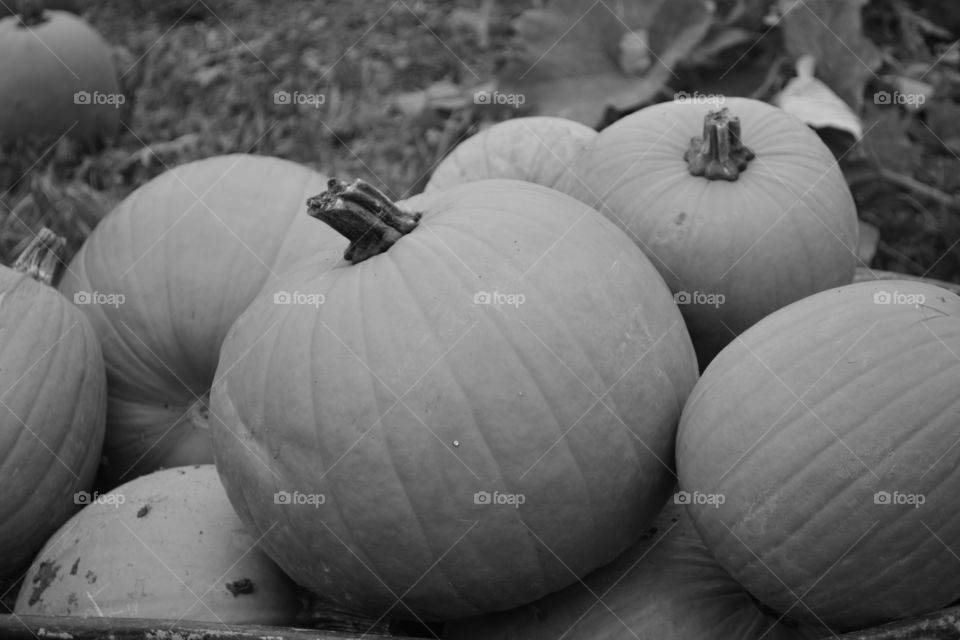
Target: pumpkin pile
585, 386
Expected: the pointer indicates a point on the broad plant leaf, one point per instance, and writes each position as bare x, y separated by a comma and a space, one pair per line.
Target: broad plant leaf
570, 56
831, 31
814, 103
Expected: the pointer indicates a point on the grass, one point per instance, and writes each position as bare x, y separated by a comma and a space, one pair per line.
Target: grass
201, 87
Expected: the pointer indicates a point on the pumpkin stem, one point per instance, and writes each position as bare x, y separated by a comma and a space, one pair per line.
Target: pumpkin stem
364, 215
30, 12
720, 154
41, 258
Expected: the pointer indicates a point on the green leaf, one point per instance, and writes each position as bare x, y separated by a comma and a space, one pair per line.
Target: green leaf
570, 56
831, 31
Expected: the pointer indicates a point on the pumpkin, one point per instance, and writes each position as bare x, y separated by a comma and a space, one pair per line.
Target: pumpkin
749, 216
472, 409
53, 404
666, 586
165, 545
828, 429
57, 77
538, 149
162, 278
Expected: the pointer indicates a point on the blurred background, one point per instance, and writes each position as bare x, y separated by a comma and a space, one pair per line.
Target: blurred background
383, 89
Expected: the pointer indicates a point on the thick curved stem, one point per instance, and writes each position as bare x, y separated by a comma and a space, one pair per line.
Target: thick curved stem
364, 215
720, 153
41, 259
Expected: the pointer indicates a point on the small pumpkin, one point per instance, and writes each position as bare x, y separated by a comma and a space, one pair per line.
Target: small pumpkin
162, 278
476, 406
538, 149
666, 586
743, 210
166, 545
57, 78
828, 428
53, 404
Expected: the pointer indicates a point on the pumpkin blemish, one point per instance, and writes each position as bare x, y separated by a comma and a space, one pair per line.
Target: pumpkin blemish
45, 575
237, 587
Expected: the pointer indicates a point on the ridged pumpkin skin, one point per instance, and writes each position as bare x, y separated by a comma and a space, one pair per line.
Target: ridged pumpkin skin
665, 587
399, 398
43, 66
166, 545
539, 149
187, 251
800, 424
786, 228
53, 389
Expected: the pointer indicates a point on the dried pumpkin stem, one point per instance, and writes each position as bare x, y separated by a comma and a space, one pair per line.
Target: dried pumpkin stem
364, 215
30, 12
720, 153
41, 259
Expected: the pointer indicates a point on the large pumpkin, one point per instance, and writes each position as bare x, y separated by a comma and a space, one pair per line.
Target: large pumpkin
166, 545
53, 405
828, 429
750, 215
665, 587
162, 278
538, 149
57, 78
471, 411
